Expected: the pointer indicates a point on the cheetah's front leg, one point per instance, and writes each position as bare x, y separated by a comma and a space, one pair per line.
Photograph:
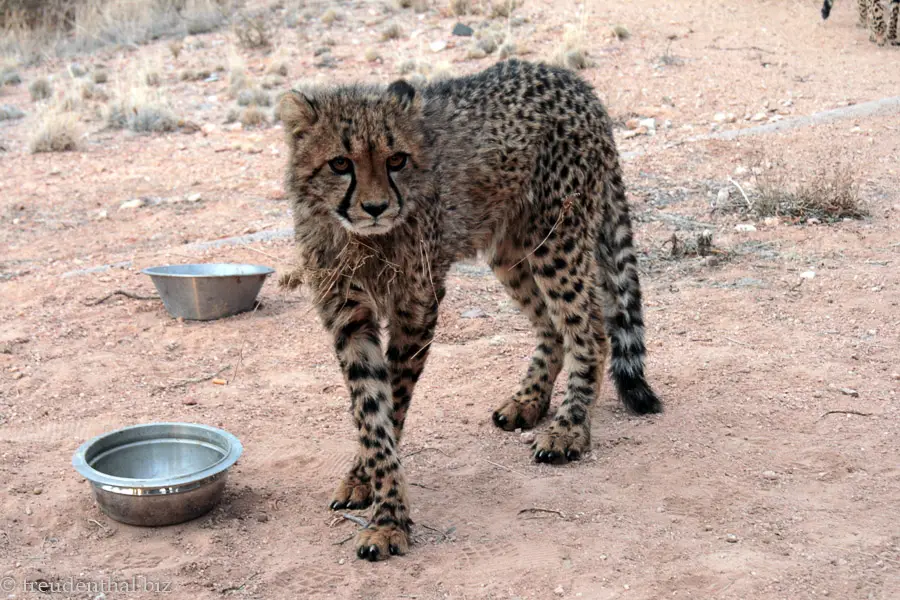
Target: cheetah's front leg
356, 341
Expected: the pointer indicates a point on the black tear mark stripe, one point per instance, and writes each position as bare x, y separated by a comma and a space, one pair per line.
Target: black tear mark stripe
396, 191
344, 206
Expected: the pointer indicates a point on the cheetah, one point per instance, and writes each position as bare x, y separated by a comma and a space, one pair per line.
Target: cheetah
390, 185
871, 17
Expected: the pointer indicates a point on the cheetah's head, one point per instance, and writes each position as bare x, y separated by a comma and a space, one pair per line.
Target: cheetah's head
357, 153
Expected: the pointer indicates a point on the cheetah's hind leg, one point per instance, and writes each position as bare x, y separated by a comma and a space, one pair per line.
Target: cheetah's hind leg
530, 403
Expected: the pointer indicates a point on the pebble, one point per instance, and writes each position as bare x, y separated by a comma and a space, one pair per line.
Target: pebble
650, 124
262, 517
473, 313
770, 475
632, 123
129, 204
741, 171
342, 561
895, 376
722, 196
527, 437
760, 116
731, 538
462, 30
189, 401
194, 197
808, 275
849, 392
559, 591
438, 45
745, 227
37, 491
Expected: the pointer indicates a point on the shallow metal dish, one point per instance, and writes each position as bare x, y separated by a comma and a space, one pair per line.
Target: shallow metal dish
158, 473
205, 292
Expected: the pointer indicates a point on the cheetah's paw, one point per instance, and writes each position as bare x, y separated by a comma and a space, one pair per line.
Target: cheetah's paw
520, 413
352, 493
559, 444
379, 542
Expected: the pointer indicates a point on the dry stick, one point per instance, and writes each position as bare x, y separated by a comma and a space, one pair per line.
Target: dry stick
737, 342
743, 193
187, 382
358, 520
543, 510
241, 356
127, 294
424, 487
567, 205
504, 467
423, 450
845, 412
443, 534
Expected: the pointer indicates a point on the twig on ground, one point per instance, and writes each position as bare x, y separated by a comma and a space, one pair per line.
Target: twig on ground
743, 193
542, 510
358, 520
504, 467
423, 450
242, 586
424, 487
125, 293
187, 382
345, 540
444, 534
845, 412
241, 353
733, 341
97, 523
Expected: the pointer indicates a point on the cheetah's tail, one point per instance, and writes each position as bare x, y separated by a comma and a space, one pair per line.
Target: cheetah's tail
826, 8
622, 310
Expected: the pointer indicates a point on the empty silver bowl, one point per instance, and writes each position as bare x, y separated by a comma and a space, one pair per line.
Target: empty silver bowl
158, 473
208, 291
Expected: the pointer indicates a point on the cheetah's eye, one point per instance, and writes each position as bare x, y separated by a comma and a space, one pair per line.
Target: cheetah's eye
340, 165
395, 162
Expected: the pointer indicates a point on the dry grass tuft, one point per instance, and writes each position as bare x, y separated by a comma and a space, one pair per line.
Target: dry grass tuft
40, 89
278, 62
573, 54
330, 16
460, 7
141, 109
101, 76
57, 132
503, 8
175, 47
391, 32
8, 112
418, 6
9, 75
254, 97
252, 31
371, 54
253, 116
620, 32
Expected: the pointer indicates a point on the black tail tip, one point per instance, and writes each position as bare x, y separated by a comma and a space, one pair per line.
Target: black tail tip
639, 398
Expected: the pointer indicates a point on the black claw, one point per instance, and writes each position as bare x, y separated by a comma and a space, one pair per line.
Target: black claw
573, 455
373, 553
362, 552
338, 505
499, 420
395, 550
520, 422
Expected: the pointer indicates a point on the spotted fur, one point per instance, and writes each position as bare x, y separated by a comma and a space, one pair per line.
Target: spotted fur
872, 17
390, 186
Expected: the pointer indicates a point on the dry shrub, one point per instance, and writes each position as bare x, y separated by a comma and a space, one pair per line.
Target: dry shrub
141, 109
101, 76
391, 32
8, 112
57, 131
573, 54
253, 116
254, 97
830, 194
460, 7
9, 75
252, 31
40, 89
503, 8
278, 62
35, 28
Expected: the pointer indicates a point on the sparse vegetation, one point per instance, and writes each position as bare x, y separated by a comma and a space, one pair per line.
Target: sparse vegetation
503, 8
254, 97
620, 32
460, 7
100, 76
253, 116
175, 47
58, 131
40, 89
252, 31
330, 16
278, 62
8, 112
371, 54
391, 32
506, 50
141, 109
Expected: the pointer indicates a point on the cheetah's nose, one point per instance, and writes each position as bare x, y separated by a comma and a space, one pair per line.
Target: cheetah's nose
375, 209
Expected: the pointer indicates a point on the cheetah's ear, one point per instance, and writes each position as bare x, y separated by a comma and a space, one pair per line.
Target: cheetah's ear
299, 112
403, 93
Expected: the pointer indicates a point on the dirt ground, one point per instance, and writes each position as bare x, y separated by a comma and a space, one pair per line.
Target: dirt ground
747, 487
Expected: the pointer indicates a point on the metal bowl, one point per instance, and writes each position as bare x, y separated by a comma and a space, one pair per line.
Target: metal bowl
208, 291
158, 473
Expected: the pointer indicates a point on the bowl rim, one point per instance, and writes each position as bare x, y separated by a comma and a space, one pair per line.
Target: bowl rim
232, 453
157, 272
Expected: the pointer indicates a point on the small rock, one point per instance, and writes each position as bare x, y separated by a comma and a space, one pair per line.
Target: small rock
707, 528
849, 392
650, 124
327, 62
731, 538
895, 376
342, 561
720, 117
760, 116
559, 591
745, 227
194, 197
77, 70
37, 491
189, 402
475, 53
722, 196
770, 475
813, 221
438, 45
28, 511
473, 313
102, 215
527, 437
632, 123
262, 517
462, 30
741, 171
321, 51
488, 44
808, 275
135, 203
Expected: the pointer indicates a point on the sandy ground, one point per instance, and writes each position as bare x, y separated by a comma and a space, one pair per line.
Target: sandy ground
746, 487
